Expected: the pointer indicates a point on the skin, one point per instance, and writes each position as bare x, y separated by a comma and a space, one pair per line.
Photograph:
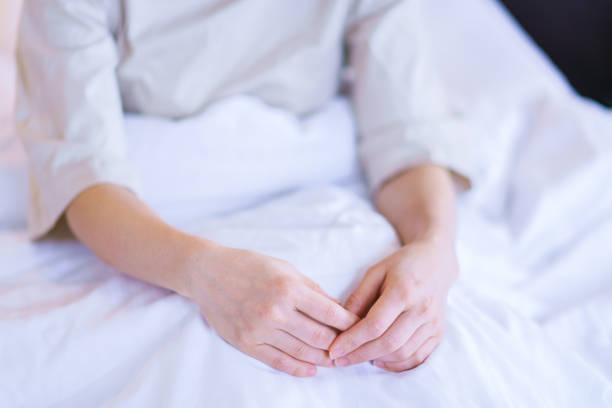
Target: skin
402, 299
264, 307
261, 305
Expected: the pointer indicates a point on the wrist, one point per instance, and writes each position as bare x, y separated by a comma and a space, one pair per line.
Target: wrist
441, 233
196, 260
437, 233
420, 204
442, 241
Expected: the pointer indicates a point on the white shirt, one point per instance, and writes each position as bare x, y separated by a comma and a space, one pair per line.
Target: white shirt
82, 63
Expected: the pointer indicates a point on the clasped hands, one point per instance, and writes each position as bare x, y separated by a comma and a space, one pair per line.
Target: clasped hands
264, 307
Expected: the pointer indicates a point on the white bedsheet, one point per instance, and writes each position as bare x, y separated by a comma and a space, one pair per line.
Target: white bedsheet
529, 323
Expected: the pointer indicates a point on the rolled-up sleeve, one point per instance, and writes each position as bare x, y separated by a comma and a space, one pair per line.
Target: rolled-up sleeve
69, 108
403, 115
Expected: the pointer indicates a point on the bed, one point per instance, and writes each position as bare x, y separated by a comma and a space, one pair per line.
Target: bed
529, 323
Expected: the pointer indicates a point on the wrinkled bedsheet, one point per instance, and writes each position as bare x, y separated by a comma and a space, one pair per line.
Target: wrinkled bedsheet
529, 322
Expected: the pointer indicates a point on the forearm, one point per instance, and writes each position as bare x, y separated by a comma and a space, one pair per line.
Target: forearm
129, 236
420, 204
404, 295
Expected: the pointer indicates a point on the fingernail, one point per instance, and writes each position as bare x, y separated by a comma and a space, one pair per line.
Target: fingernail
341, 362
311, 370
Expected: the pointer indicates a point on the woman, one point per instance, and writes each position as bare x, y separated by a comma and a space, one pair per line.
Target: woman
84, 63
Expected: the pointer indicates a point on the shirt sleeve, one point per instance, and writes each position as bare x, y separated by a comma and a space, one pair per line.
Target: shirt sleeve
69, 108
404, 118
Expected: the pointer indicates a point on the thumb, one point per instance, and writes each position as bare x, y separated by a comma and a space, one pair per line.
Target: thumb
364, 296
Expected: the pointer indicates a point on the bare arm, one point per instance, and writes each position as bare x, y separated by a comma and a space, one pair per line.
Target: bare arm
403, 297
420, 203
129, 236
261, 305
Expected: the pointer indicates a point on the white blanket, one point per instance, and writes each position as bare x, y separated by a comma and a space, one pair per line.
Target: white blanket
529, 322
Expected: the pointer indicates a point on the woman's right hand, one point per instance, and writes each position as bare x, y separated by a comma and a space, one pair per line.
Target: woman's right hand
267, 309
261, 305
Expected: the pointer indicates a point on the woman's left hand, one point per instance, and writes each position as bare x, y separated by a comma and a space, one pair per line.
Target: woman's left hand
403, 299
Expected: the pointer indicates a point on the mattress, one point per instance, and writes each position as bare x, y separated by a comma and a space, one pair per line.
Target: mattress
529, 322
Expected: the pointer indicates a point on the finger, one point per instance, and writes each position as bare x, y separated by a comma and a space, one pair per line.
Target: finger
326, 311
393, 339
413, 361
312, 285
419, 337
281, 361
296, 348
309, 331
382, 314
362, 298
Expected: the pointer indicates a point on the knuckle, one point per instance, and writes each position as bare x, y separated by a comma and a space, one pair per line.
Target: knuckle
391, 342
276, 316
246, 326
438, 326
428, 306
403, 353
351, 344
283, 288
375, 329
429, 330
331, 314
404, 291
421, 356
297, 370
321, 337
300, 351
414, 304
262, 310
243, 338
270, 312
409, 286
281, 364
